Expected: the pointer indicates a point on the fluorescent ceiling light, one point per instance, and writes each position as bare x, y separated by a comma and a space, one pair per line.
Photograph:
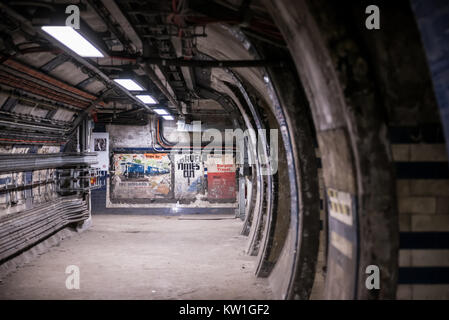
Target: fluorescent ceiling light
129, 84
168, 117
161, 112
145, 98
73, 40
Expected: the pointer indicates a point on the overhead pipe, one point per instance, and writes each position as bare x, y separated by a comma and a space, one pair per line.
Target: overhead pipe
28, 141
21, 94
152, 75
34, 121
120, 18
13, 64
112, 27
204, 63
138, 43
215, 63
37, 161
169, 146
14, 125
26, 24
16, 82
86, 112
26, 129
40, 90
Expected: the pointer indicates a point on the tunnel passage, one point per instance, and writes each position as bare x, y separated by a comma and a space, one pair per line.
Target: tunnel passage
321, 138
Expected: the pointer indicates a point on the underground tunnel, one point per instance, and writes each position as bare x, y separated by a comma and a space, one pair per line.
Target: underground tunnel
224, 150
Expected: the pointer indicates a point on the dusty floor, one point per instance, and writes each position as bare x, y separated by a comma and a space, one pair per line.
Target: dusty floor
144, 257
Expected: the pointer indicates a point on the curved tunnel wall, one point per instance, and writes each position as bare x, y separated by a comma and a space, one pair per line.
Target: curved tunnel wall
343, 76
294, 273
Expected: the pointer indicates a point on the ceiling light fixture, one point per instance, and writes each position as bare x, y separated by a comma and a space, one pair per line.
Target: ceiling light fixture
161, 112
168, 117
129, 84
145, 98
73, 40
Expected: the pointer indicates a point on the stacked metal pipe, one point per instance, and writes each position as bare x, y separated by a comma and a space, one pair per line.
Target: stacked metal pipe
22, 230
24, 162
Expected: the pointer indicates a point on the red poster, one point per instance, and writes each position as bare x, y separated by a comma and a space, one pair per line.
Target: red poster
221, 185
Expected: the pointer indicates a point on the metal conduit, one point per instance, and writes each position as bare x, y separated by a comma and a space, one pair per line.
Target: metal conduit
26, 162
19, 231
36, 127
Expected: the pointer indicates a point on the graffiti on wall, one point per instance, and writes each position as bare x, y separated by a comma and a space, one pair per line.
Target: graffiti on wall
189, 175
159, 176
189, 164
141, 176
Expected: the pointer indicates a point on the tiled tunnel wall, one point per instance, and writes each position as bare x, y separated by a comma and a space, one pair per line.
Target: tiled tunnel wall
409, 109
415, 121
423, 203
423, 175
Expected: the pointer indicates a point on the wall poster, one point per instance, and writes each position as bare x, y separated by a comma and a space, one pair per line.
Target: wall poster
189, 175
100, 144
221, 181
141, 176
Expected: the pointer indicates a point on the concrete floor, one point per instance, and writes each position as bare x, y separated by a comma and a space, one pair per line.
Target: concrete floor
144, 257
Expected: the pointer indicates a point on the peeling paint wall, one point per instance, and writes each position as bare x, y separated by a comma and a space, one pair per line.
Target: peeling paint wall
142, 177
160, 178
221, 178
122, 136
37, 186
